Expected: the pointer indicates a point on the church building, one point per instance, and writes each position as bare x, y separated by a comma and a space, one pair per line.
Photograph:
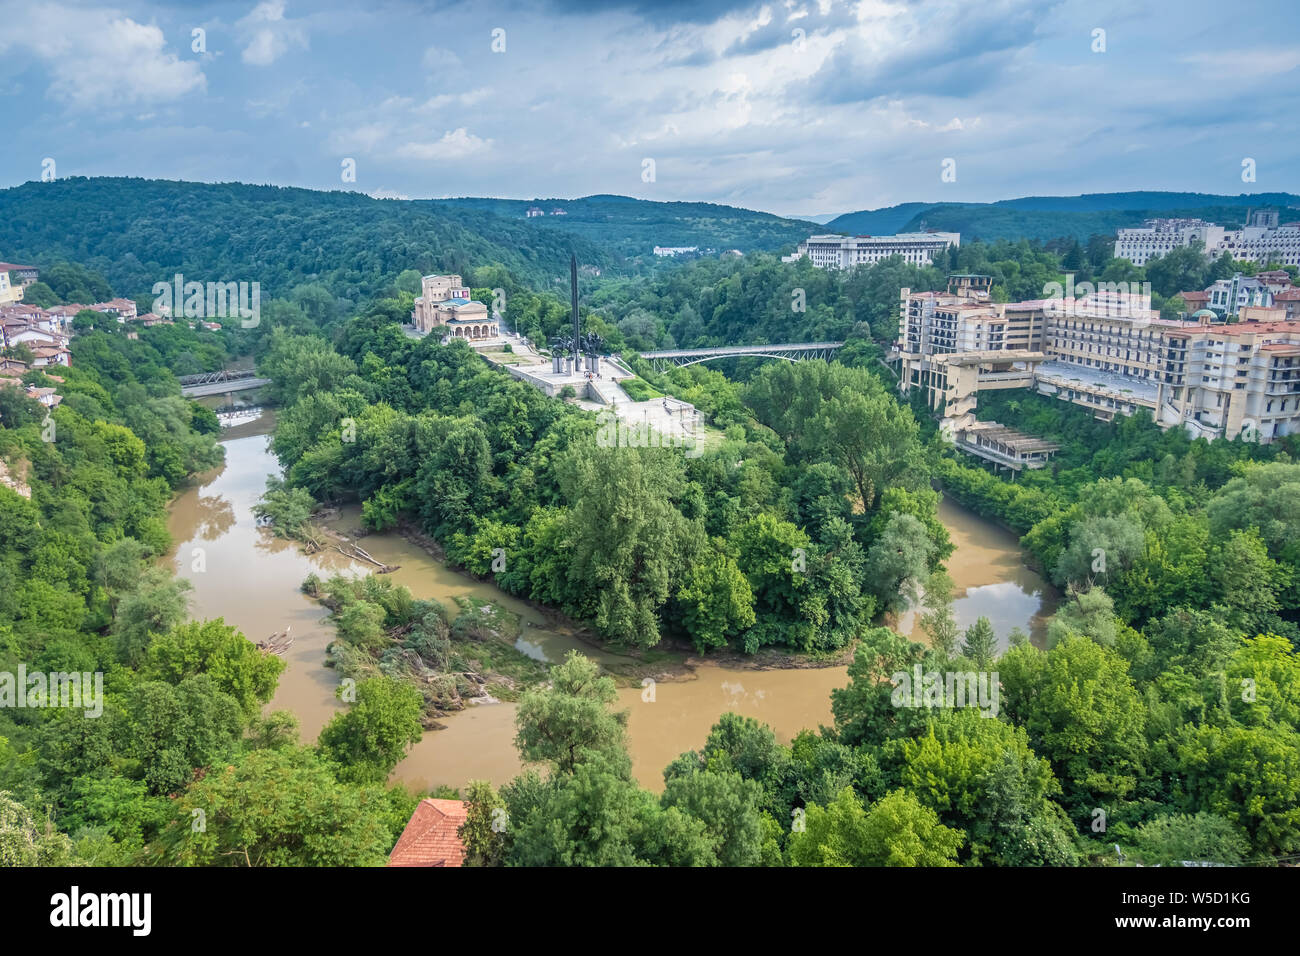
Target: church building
445, 302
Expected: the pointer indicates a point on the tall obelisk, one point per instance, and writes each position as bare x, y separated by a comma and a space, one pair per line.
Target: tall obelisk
577, 335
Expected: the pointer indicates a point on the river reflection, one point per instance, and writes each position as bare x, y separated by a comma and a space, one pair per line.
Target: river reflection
252, 579
991, 580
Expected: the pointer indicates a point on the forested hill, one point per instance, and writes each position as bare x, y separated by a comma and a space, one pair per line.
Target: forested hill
633, 227
1052, 217
139, 231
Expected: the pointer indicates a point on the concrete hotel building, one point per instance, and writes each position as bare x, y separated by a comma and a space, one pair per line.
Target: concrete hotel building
1262, 240
1261, 244
1108, 352
1159, 237
843, 252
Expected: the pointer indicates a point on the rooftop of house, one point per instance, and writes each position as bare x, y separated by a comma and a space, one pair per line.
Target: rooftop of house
430, 837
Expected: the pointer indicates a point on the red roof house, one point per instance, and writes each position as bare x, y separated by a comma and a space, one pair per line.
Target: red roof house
430, 837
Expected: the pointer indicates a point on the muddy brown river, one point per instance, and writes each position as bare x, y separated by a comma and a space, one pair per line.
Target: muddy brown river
242, 573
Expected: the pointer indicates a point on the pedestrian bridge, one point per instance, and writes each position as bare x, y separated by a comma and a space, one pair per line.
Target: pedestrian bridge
789, 352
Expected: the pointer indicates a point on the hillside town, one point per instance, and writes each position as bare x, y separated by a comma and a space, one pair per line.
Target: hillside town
39, 338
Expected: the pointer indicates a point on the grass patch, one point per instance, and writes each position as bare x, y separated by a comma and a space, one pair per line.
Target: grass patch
639, 390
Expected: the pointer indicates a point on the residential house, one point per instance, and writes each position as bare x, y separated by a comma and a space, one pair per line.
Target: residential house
431, 837
23, 275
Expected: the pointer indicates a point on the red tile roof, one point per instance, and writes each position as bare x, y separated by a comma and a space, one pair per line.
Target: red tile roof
430, 837
1242, 328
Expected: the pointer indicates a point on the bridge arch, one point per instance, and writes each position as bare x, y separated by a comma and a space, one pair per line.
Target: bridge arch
710, 358
790, 352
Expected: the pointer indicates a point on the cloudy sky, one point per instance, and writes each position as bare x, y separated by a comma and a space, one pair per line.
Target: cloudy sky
797, 107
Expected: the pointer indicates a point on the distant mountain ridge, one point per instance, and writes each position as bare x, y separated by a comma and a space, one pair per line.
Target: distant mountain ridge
1052, 217
633, 227
138, 232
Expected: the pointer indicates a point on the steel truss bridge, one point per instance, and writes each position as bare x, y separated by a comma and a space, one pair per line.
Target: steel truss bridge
219, 383
789, 352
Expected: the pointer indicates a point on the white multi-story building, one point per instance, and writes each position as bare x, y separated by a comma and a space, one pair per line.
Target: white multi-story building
1159, 237
1262, 244
676, 250
1263, 240
843, 252
1107, 351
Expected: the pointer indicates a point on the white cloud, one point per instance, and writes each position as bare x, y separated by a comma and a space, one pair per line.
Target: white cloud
439, 58
1254, 61
100, 59
455, 144
468, 98
269, 34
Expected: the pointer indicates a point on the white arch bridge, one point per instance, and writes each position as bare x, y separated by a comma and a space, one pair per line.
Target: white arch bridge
791, 352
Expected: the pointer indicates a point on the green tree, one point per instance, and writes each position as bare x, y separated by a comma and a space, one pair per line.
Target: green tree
938, 621
980, 643
1171, 838
214, 648
483, 832
626, 535
864, 709
1089, 613
369, 738
276, 808
898, 562
173, 730
717, 602
727, 805
26, 840
980, 776
1266, 672
596, 816
896, 831
1248, 775
1083, 713
157, 605
570, 722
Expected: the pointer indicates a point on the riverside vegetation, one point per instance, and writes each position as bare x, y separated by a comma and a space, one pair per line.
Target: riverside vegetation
1165, 707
